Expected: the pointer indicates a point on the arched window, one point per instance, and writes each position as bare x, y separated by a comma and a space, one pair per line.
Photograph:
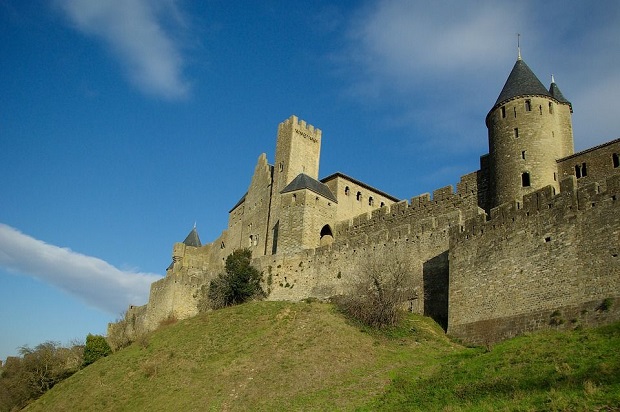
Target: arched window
525, 179
358, 196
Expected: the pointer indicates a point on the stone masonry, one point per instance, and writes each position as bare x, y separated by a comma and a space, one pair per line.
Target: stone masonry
529, 241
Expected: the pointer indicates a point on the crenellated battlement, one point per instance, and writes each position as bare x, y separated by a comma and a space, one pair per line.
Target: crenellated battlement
542, 203
300, 125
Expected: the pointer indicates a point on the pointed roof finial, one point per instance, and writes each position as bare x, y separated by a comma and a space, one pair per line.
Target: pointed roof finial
519, 46
552, 79
194, 224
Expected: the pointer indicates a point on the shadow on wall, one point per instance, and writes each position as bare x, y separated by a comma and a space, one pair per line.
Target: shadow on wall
435, 273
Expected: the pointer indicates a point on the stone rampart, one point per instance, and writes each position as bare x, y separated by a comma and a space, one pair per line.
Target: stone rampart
544, 262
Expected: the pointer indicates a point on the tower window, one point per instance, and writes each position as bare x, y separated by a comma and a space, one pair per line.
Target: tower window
540, 109
514, 109
523, 154
516, 132
503, 112
525, 179
550, 108
616, 160
528, 105
358, 196
371, 201
281, 166
581, 171
347, 191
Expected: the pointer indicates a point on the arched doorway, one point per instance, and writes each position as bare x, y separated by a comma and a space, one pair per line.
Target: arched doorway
327, 237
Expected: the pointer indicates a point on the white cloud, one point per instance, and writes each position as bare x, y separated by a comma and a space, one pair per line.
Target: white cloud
451, 59
134, 30
92, 280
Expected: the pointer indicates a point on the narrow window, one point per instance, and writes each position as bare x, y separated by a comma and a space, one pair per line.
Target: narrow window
294, 198
382, 204
281, 166
503, 112
578, 171
528, 105
555, 177
346, 191
251, 240
616, 160
358, 196
525, 179
514, 109
523, 154
550, 108
516, 132
584, 170
371, 201
540, 109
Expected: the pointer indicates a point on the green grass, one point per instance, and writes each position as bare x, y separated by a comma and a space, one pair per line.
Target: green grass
302, 356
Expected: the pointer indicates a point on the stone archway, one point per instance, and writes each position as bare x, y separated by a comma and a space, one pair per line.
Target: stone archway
327, 236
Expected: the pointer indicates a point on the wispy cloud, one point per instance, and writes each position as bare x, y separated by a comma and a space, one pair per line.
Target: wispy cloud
92, 280
138, 33
452, 58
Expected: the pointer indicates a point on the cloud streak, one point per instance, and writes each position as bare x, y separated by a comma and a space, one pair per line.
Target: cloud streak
452, 58
134, 31
90, 279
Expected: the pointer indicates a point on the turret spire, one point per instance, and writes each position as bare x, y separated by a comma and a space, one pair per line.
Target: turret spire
518, 46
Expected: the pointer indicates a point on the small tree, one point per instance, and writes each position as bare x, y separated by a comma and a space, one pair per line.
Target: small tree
239, 283
96, 348
379, 293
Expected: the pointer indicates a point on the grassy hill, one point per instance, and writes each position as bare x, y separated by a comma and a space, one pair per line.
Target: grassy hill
302, 356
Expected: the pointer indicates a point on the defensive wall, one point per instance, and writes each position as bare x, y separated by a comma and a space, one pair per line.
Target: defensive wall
549, 261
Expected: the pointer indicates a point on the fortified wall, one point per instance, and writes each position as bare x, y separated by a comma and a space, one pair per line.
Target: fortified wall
549, 261
529, 241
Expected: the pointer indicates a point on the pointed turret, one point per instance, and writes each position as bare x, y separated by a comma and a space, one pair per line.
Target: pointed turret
529, 129
521, 82
555, 92
192, 238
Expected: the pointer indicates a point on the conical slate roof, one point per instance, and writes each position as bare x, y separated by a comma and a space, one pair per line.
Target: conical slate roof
521, 81
557, 94
192, 239
303, 181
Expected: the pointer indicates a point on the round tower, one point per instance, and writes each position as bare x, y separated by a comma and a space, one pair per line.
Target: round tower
529, 128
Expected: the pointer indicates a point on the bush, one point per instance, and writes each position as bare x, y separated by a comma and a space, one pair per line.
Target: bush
239, 283
379, 293
96, 348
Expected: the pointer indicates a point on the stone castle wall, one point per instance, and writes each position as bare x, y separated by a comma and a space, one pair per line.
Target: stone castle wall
550, 260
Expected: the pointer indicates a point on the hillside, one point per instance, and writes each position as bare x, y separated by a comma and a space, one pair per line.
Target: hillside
302, 356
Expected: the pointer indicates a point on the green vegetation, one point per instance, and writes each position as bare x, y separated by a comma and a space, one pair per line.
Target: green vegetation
96, 348
240, 283
307, 356
39, 369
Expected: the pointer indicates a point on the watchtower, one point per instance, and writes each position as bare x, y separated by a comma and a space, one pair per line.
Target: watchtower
529, 128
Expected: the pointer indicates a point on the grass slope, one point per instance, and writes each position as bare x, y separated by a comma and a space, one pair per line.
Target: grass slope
300, 356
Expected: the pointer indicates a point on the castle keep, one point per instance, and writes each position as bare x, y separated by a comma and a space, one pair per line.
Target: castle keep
528, 241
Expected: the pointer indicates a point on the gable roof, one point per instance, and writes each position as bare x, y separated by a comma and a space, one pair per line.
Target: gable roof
359, 183
521, 81
303, 181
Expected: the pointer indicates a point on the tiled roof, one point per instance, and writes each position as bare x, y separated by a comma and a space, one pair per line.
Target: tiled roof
192, 239
521, 81
303, 181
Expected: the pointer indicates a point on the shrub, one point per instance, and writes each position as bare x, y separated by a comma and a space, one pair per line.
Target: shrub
239, 283
378, 295
96, 348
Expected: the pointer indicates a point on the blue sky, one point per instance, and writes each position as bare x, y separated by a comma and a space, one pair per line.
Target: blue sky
123, 122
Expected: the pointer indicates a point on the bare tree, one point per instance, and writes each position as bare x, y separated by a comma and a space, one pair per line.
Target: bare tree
381, 290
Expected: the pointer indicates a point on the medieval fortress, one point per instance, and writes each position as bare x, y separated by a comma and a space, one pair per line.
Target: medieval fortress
529, 241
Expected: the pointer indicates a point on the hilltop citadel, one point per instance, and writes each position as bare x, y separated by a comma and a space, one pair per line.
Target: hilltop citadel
528, 241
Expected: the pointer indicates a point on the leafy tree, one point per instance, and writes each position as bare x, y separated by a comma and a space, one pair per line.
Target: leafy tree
96, 347
239, 283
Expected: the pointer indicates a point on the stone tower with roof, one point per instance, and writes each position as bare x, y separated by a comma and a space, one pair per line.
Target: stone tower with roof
529, 128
